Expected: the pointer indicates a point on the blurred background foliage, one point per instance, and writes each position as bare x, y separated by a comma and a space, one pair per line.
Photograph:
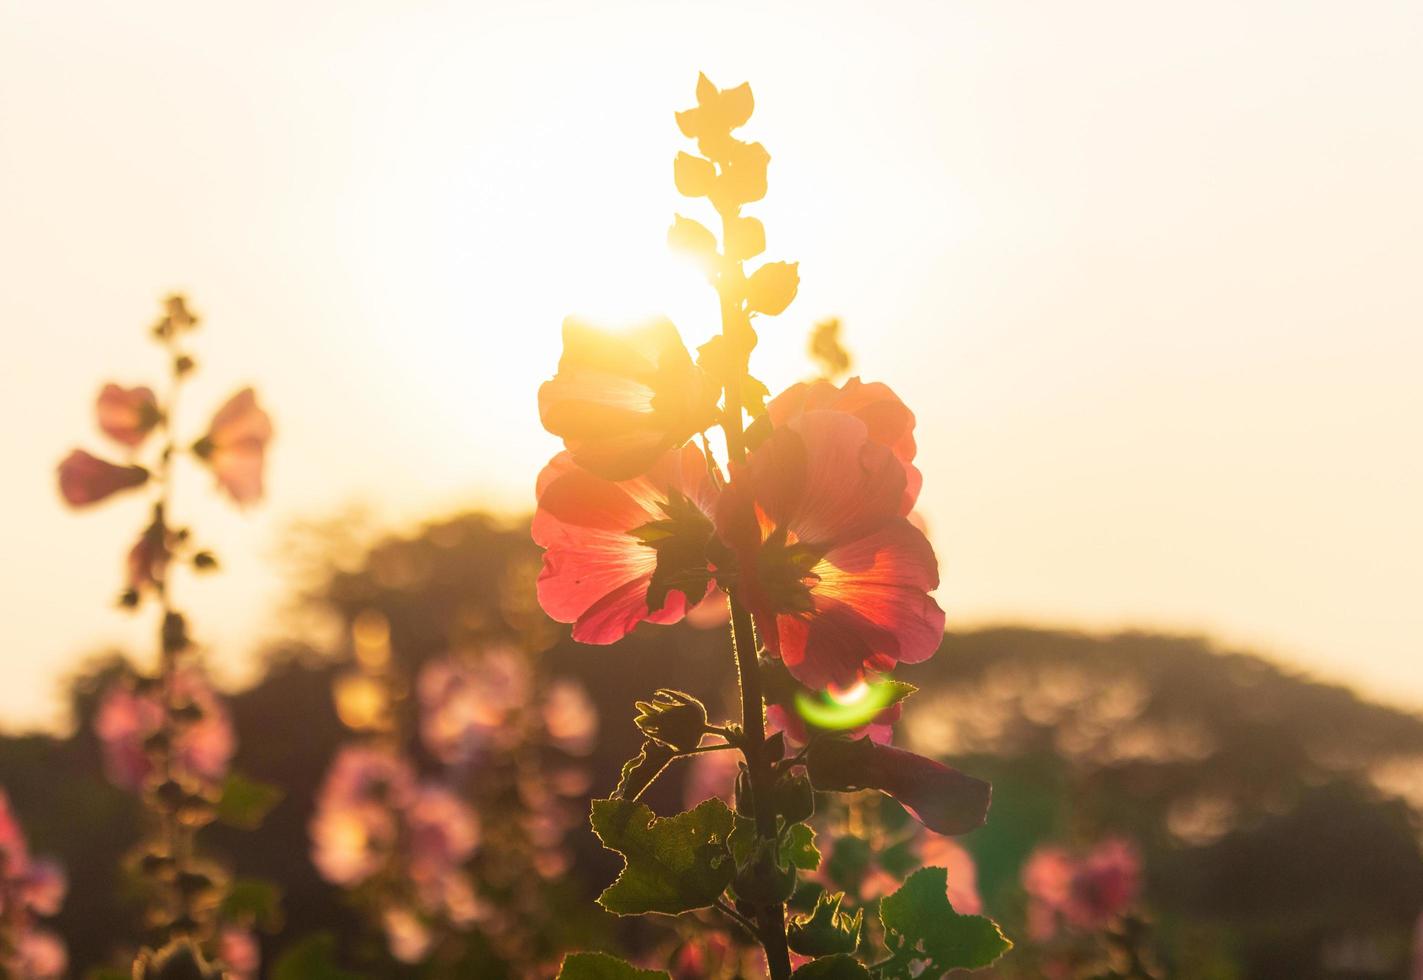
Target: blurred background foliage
1278, 818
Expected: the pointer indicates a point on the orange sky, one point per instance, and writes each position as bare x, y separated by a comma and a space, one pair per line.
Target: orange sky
1148, 274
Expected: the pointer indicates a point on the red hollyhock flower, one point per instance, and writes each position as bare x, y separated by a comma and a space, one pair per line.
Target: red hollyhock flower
888, 420
622, 552
622, 399
86, 479
236, 445
127, 415
836, 577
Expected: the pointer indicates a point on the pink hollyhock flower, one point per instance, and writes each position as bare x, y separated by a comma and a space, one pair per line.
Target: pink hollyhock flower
466, 703
443, 832
241, 956
368, 774
43, 887
126, 718
570, 717
39, 955
621, 399
617, 554
236, 445
1085, 892
408, 937
127, 415
942, 852
351, 841
836, 576
86, 479
888, 421
14, 850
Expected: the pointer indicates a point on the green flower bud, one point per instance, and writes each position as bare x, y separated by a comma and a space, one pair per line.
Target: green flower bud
673, 718
825, 930
794, 798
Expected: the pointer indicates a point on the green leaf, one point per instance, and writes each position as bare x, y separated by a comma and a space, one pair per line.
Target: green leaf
601, 966
674, 864
921, 925
680, 540
639, 771
254, 900
245, 802
312, 959
797, 844
837, 967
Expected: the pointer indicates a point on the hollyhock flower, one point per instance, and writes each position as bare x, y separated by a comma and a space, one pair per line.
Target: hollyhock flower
408, 937
368, 774
617, 554
781, 718
1086, 893
351, 841
86, 479
466, 703
836, 577
236, 445
127, 415
888, 421
126, 718
570, 717
39, 955
43, 887
443, 832
621, 399
239, 952
941, 852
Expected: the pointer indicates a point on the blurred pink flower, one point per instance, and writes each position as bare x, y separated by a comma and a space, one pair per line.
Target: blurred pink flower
410, 940
40, 955
86, 479
466, 703
236, 444
943, 852
126, 718
570, 717
127, 415
443, 832
1086, 893
351, 842
44, 887
368, 774
148, 558
239, 952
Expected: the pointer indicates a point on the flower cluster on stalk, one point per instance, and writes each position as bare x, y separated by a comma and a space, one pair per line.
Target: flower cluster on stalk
31, 889
166, 735
455, 800
803, 529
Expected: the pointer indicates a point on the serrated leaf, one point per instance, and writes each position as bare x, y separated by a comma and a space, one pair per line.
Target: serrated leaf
245, 803
837, 967
797, 844
602, 966
920, 926
639, 771
313, 958
673, 864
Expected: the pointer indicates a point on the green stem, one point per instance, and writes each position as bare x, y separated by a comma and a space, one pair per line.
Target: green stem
736, 334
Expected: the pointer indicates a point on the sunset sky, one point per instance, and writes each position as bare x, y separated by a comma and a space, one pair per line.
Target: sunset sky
1150, 275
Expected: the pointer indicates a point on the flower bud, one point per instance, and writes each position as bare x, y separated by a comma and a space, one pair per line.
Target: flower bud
794, 798
825, 930
673, 718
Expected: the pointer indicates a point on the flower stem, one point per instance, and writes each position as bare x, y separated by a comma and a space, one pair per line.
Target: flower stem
739, 340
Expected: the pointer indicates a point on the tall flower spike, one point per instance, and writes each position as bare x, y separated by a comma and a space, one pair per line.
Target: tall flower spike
621, 399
